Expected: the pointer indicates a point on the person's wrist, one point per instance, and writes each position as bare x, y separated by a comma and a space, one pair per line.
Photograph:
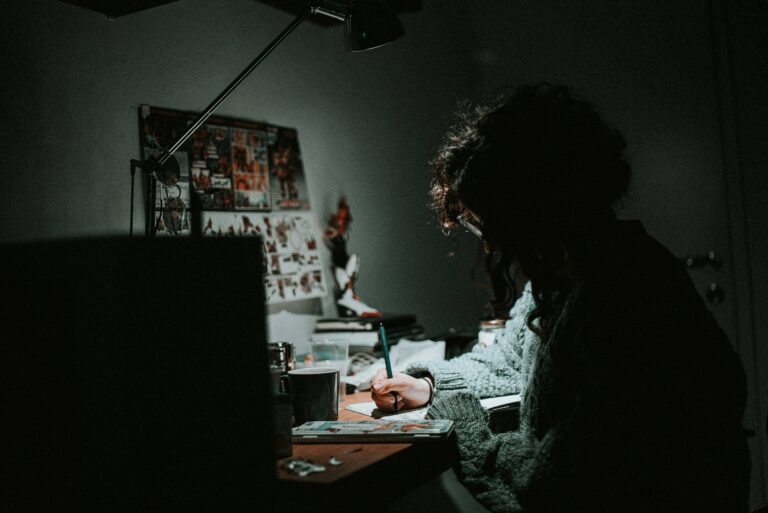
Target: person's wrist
424, 391
431, 384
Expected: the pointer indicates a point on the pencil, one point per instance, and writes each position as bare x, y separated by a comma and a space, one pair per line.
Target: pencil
387, 362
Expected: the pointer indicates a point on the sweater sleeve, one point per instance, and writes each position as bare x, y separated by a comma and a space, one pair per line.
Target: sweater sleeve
490, 371
488, 463
506, 469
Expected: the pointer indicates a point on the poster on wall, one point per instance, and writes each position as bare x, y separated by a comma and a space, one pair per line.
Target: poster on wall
293, 269
248, 179
232, 164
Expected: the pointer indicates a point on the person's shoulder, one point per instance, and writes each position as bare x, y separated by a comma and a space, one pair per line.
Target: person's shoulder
638, 258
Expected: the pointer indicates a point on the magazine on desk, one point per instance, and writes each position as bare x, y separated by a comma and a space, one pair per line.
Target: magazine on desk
373, 431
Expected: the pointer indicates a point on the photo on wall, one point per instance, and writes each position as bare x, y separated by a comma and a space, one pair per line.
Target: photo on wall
250, 169
160, 128
289, 186
293, 269
172, 201
248, 179
211, 168
233, 164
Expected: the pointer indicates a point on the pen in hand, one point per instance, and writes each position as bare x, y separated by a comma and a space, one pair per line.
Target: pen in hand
387, 362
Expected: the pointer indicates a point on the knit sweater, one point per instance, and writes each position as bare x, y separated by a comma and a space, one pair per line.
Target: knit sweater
492, 371
634, 403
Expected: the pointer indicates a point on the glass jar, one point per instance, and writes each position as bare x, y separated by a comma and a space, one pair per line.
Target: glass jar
489, 329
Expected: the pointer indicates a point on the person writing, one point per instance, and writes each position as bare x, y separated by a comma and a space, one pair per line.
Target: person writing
492, 371
634, 399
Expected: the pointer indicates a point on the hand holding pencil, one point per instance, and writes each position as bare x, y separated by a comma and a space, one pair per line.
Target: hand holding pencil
411, 392
397, 392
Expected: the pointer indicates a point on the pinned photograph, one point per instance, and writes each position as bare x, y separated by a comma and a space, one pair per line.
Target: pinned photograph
250, 169
211, 167
289, 186
293, 261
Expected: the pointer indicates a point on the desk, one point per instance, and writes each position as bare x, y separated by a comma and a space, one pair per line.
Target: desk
381, 471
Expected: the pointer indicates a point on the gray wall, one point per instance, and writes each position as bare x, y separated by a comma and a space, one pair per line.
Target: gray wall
367, 123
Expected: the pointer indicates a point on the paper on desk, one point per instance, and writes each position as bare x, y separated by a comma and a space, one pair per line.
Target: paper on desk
401, 354
369, 408
496, 403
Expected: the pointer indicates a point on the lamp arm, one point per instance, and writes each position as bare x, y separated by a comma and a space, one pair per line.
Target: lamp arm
203, 117
162, 169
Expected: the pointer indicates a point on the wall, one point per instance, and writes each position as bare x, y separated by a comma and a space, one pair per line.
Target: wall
368, 124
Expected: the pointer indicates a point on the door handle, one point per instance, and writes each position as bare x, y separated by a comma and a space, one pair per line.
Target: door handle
715, 294
711, 259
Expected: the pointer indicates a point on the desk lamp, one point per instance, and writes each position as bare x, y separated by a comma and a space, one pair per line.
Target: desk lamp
368, 24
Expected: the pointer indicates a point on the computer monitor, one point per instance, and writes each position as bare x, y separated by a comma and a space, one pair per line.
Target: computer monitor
134, 377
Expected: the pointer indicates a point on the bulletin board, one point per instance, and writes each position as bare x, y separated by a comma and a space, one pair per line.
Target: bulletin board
248, 178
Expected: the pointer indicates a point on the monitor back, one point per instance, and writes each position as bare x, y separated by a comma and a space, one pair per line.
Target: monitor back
133, 376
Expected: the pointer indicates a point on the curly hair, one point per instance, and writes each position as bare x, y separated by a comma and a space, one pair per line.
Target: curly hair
542, 171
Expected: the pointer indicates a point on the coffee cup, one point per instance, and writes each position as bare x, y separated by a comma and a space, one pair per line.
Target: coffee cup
314, 394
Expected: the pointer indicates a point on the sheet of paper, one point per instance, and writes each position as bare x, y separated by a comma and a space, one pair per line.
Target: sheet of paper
493, 403
369, 408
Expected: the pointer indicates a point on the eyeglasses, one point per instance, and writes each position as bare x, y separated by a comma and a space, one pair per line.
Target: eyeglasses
469, 225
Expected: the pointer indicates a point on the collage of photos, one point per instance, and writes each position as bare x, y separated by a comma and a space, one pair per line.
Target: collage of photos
232, 165
293, 269
248, 179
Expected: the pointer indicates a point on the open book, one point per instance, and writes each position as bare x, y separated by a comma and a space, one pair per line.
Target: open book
490, 404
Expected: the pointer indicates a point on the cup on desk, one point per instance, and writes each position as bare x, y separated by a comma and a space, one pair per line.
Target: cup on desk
332, 352
314, 394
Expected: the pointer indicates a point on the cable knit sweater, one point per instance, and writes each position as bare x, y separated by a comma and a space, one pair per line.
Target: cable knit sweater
492, 371
634, 403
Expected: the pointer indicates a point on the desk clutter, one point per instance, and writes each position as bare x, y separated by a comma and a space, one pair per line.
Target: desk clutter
362, 333
298, 401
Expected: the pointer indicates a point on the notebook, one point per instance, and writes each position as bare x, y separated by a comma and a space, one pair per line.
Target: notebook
373, 431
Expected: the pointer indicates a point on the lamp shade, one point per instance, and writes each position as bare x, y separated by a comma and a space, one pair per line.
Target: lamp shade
370, 24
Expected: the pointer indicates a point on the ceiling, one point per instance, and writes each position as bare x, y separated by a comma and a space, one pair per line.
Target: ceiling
115, 8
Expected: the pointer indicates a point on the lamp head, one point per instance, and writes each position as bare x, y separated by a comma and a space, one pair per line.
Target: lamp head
368, 24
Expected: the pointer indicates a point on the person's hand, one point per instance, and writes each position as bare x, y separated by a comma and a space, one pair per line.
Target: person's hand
411, 392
